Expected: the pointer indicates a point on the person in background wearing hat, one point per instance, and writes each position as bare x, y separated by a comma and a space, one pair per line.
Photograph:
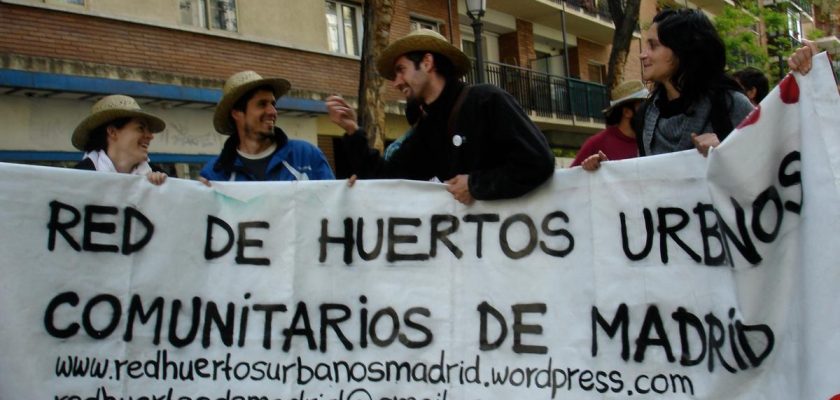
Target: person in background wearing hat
256, 149
477, 139
618, 141
115, 138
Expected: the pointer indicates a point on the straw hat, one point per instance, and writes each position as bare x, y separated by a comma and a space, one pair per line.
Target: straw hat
108, 109
627, 91
421, 40
235, 87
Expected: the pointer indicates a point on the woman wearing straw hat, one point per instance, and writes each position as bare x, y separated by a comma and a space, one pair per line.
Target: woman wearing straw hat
115, 138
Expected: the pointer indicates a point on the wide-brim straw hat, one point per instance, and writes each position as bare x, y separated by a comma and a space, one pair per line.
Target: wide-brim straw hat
627, 91
421, 40
235, 87
108, 109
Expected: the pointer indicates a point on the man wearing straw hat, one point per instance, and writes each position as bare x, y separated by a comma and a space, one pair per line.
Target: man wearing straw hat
618, 141
256, 149
477, 139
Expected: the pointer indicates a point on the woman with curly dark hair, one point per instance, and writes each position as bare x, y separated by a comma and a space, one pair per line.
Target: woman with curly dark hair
693, 103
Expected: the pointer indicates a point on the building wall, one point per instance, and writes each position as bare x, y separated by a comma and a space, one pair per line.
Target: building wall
589, 52
633, 66
59, 35
145, 41
44, 124
436, 10
299, 24
517, 47
128, 40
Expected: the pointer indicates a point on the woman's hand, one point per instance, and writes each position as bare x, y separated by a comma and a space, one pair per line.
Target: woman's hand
800, 60
156, 178
704, 142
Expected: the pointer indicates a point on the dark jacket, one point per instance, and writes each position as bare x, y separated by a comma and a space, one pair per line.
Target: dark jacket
86, 165
302, 156
503, 152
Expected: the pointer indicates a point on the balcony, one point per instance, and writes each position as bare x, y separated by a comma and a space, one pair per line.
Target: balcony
598, 9
586, 18
714, 6
803, 6
548, 96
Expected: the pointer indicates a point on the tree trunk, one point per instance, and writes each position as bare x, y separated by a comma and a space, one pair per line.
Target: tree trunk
625, 19
377, 30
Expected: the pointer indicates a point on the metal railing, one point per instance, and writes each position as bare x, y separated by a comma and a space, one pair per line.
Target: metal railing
804, 5
545, 95
595, 8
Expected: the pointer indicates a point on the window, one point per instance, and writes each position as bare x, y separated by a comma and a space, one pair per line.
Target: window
540, 63
597, 73
344, 21
217, 14
794, 25
469, 48
419, 23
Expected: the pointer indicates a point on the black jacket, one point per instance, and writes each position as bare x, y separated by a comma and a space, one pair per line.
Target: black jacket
502, 150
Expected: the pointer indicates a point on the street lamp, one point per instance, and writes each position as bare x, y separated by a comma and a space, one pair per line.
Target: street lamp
475, 10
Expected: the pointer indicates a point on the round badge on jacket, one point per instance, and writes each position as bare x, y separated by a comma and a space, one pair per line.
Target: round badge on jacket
458, 140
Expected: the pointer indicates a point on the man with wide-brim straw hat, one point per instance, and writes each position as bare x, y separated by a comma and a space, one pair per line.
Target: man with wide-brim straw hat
257, 150
618, 141
116, 136
476, 139
427, 40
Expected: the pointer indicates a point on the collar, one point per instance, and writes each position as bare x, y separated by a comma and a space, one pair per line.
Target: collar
263, 154
669, 108
443, 104
101, 162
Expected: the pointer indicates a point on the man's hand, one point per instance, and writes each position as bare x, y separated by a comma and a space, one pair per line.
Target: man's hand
459, 187
704, 142
156, 178
342, 114
204, 181
800, 60
593, 162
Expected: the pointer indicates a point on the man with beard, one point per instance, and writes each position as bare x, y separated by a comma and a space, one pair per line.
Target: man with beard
256, 149
476, 139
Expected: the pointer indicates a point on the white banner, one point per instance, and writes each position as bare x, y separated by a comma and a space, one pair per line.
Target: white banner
642, 280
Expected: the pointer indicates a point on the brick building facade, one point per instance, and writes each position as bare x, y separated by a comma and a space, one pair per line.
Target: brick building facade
57, 57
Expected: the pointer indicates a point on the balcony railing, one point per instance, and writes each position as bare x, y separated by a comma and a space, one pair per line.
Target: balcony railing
595, 8
804, 5
545, 95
